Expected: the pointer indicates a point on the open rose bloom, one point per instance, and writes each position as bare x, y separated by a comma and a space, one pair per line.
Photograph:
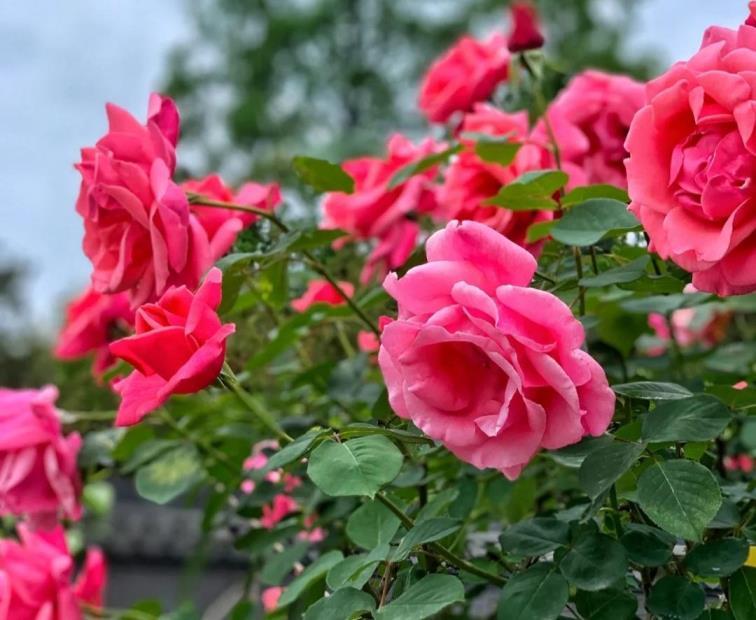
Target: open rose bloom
693, 159
469, 181
376, 212
178, 348
484, 364
36, 578
38, 475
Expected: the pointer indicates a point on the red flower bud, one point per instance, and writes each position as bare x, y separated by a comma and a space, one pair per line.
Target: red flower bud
526, 30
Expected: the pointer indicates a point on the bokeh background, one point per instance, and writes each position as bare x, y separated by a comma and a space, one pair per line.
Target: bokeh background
257, 81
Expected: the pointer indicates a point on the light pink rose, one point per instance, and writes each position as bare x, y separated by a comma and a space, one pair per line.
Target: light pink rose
375, 212
467, 73
35, 578
179, 348
480, 362
223, 225
690, 327
138, 231
38, 475
270, 598
281, 507
322, 292
693, 159
590, 119
469, 181
93, 320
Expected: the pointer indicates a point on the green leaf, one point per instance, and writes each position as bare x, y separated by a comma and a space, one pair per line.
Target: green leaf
681, 497
424, 532
647, 545
308, 239
538, 593
314, 572
538, 231
604, 466
718, 558
586, 192
293, 451
574, 455
606, 605
732, 358
493, 149
633, 270
169, 475
743, 594
360, 466
355, 570
594, 561
652, 390
437, 504
372, 525
664, 304
322, 175
424, 599
675, 598
410, 170
532, 191
280, 564
535, 536
698, 418
343, 604
590, 221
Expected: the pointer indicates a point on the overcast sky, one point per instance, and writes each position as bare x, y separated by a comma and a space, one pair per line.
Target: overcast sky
61, 61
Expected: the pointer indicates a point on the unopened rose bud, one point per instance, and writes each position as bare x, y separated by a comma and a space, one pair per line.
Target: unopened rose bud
525, 33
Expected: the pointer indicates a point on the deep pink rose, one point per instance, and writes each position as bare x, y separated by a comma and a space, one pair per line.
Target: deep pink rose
465, 74
275, 512
590, 119
138, 231
223, 225
38, 475
375, 212
270, 598
693, 160
469, 181
93, 320
36, 573
484, 364
525, 33
322, 292
690, 326
178, 348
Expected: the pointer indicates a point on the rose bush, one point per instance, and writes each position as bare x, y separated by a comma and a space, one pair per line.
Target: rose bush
535, 416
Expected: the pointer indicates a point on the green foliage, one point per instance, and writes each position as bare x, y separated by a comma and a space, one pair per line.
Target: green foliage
424, 599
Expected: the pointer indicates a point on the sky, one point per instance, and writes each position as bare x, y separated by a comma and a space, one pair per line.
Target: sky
61, 61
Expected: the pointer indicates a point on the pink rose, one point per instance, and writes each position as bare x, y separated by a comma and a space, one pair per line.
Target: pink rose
484, 364
590, 119
270, 598
322, 292
745, 462
92, 320
373, 211
179, 348
368, 342
275, 512
469, 180
465, 74
35, 578
138, 231
525, 33
690, 327
223, 225
692, 163
740, 385
38, 475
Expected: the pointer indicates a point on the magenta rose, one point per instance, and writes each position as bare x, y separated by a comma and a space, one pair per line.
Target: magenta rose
322, 292
138, 231
464, 75
223, 225
469, 181
93, 320
178, 348
36, 578
376, 212
525, 33
480, 362
590, 119
693, 160
38, 475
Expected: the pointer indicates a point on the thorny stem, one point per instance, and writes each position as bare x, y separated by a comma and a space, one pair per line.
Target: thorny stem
199, 199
